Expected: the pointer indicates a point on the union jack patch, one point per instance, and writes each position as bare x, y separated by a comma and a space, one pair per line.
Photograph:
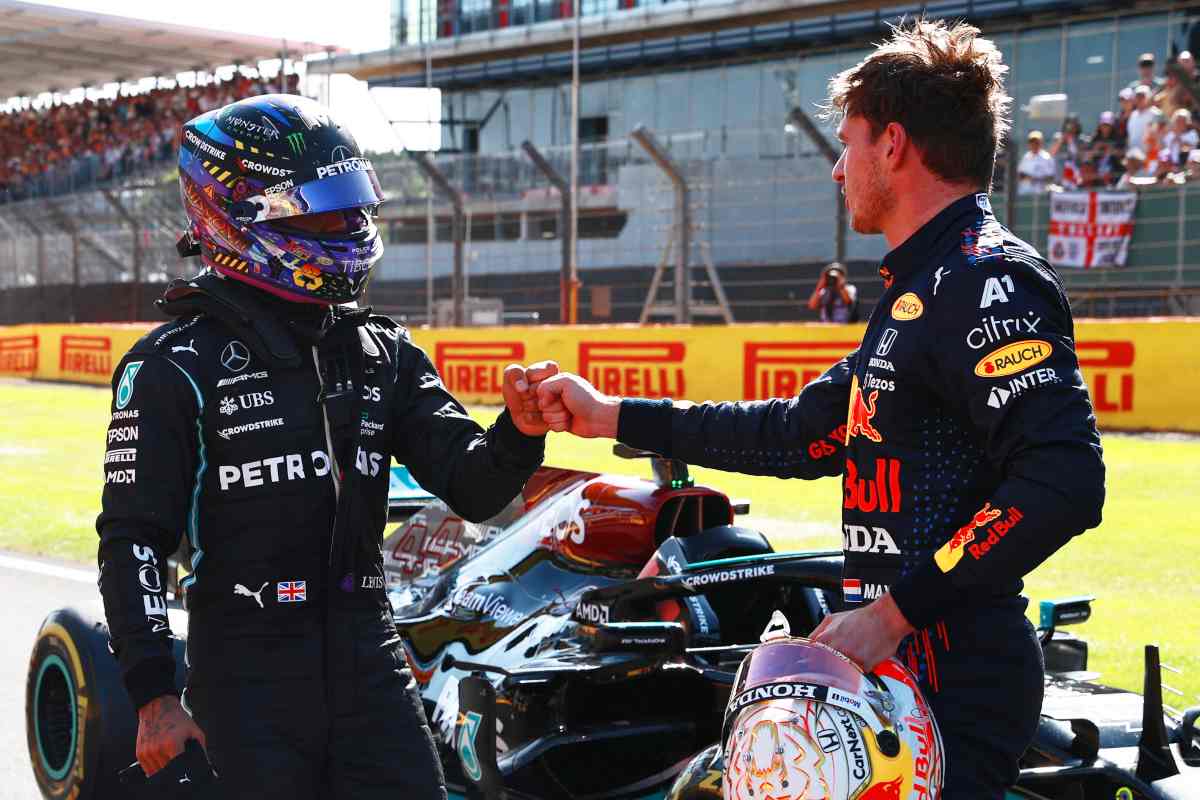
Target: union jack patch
291, 592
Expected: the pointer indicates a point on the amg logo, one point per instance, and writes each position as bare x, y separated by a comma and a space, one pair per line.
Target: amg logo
245, 376
631, 368
592, 612
782, 369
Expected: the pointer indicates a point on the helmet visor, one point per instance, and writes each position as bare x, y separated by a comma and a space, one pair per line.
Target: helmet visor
348, 190
801, 661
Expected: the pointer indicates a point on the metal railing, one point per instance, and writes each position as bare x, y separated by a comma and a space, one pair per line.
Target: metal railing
761, 210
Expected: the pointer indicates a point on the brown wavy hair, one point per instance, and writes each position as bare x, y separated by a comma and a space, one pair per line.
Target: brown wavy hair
944, 85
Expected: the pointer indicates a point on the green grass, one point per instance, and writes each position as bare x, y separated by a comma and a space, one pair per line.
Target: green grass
1141, 563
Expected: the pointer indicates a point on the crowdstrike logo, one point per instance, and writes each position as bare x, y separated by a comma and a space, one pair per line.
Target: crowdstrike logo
727, 575
265, 169
202, 145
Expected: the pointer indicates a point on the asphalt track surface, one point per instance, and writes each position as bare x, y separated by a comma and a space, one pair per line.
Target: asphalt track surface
30, 588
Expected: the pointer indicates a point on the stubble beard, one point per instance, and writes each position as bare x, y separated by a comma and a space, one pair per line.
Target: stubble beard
874, 201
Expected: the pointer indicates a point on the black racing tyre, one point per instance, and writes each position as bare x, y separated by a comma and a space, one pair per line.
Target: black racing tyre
79, 722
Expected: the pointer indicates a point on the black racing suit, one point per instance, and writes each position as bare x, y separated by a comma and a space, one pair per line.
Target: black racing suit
968, 455
266, 433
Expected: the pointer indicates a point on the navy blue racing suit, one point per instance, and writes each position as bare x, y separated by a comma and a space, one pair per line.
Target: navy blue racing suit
266, 433
968, 450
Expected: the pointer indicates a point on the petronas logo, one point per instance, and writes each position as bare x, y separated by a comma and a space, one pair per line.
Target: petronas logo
296, 140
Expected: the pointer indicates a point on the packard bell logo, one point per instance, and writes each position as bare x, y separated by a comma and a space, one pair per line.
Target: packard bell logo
296, 140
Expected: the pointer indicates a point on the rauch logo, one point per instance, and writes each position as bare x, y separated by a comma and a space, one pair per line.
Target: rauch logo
18, 354
476, 367
781, 369
634, 369
85, 355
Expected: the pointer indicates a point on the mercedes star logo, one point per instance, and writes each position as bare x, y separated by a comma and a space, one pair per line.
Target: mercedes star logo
340, 153
235, 357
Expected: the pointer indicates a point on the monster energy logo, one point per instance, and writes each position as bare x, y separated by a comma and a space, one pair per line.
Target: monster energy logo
296, 140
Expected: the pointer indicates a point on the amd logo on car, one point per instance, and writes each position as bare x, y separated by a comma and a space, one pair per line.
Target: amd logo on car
592, 612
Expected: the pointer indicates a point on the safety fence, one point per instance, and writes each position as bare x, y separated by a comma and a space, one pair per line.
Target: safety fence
759, 210
1136, 370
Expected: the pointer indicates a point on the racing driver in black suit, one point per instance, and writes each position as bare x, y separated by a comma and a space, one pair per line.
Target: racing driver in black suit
261, 422
961, 427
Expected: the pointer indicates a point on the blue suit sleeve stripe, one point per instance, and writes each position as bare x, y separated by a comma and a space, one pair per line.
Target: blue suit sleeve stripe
193, 518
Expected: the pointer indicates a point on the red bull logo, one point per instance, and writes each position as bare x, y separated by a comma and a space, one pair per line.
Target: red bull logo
883, 791
995, 534
952, 551
858, 421
85, 355
476, 368
635, 369
782, 369
18, 354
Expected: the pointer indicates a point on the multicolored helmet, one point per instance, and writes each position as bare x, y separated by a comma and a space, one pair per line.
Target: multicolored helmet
278, 195
805, 721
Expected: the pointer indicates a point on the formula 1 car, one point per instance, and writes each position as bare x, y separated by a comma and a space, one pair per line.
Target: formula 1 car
583, 643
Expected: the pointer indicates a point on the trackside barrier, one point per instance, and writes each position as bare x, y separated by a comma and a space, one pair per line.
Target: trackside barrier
1140, 372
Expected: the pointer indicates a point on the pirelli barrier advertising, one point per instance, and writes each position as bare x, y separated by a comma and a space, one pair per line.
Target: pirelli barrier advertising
1139, 375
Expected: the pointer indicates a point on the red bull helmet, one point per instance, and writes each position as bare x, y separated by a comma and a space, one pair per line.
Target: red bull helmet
804, 721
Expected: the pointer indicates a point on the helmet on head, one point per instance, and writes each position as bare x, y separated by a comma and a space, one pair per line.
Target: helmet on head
278, 195
805, 721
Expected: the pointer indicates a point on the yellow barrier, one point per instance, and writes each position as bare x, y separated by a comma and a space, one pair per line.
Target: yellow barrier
1137, 370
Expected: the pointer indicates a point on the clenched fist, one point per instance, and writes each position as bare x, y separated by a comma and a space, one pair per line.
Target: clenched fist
520, 395
570, 403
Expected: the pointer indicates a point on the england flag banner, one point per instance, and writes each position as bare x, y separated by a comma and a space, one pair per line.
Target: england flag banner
1090, 229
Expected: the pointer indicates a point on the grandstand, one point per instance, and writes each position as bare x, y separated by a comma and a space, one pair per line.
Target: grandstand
718, 83
87, 190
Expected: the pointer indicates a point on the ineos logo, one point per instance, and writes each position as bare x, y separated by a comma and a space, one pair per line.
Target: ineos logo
235, 357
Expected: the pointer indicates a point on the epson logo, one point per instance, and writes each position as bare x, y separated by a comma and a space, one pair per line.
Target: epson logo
202, 145
344, 167
592, 612
266, 169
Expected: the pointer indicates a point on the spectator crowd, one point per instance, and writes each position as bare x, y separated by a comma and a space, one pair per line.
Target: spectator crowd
1151, 138
64, 147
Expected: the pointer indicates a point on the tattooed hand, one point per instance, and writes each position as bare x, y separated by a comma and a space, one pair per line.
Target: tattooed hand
163, 730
